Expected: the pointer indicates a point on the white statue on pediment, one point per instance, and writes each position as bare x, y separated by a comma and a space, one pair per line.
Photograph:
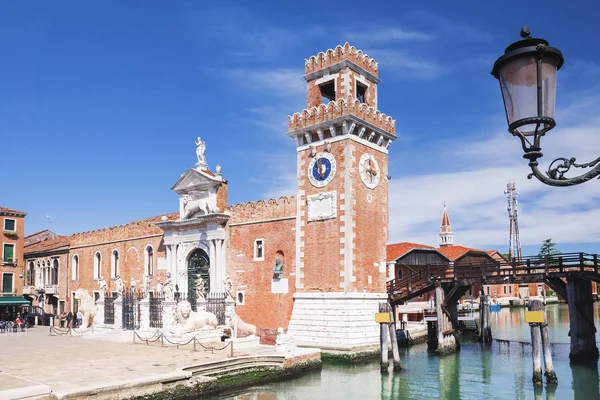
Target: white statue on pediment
200, 148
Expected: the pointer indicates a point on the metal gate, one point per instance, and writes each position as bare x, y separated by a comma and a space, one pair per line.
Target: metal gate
215, 303
109, 310
156, 312
131, 311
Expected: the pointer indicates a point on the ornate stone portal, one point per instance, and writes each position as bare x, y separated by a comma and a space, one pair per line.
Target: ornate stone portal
195, 243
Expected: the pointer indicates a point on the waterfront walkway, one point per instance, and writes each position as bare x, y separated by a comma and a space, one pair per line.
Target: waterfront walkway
37, 364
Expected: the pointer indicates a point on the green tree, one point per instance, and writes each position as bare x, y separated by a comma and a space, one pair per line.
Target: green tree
548, 248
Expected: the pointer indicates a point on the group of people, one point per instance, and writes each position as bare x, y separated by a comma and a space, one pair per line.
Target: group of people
71, 320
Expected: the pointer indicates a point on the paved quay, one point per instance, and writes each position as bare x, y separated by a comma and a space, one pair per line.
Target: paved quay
37, 365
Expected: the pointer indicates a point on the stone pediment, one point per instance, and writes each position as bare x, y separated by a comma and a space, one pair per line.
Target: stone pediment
194, 180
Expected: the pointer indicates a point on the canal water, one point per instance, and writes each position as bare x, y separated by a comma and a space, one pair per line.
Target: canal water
497, 371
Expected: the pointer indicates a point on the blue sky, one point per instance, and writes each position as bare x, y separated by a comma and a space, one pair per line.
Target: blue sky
102, 101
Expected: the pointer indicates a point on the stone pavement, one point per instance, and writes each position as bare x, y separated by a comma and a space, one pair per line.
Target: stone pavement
34, 360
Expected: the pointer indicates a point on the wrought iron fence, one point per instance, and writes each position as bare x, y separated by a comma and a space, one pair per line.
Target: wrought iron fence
109, 310
156, 311
215, 303
131, 310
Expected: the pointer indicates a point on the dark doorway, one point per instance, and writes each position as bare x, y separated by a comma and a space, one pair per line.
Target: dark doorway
198, 266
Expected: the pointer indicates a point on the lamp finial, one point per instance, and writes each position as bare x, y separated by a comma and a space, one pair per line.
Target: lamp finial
525, 32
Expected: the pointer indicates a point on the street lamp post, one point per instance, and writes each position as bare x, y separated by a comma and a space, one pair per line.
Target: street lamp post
527, 75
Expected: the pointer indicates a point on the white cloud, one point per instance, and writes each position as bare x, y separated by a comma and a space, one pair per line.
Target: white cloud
389, 35
406, 66
276, 82
474, 194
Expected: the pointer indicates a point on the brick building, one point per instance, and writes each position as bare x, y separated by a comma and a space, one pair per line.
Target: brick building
12, 223
313, 261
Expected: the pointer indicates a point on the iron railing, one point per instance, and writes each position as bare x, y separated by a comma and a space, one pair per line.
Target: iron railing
215, 303
156, 311
131, 310
109, 310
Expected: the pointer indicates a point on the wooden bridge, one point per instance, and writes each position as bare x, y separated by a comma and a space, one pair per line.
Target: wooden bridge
569, 275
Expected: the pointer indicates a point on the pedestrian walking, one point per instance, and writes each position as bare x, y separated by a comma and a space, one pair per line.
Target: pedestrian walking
69, 318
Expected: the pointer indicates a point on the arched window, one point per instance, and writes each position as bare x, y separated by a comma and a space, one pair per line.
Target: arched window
114, 264
54, 273
149, 260
75, 268
30, 274
44, 274
97, 265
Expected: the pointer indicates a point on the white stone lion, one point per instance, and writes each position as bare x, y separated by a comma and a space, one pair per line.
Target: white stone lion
187, 320
87, 306
238, 326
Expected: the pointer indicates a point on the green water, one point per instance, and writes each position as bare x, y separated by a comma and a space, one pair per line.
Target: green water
499, 371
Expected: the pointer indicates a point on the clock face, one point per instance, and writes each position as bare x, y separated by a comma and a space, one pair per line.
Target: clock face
369, 171
321, 169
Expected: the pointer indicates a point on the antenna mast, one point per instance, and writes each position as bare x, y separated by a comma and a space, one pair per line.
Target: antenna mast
513, 212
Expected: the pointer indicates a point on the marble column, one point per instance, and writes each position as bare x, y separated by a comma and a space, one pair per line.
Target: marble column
222, 272
169, 257
213, 265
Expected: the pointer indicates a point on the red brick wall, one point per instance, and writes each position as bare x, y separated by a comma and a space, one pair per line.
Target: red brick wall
261, 307
130, 241
222, 196
371, 216
322, 261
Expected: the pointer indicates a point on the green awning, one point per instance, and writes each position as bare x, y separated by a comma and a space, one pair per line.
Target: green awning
13, 301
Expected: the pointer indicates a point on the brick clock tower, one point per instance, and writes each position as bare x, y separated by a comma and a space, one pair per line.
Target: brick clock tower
342, 202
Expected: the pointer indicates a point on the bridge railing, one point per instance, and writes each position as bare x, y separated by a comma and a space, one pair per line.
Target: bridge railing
493, 272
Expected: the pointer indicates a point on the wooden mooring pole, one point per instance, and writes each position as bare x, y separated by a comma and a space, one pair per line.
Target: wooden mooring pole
387, 328
536, 317
485, 330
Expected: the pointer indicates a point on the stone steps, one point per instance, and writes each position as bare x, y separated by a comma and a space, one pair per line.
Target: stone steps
235, 365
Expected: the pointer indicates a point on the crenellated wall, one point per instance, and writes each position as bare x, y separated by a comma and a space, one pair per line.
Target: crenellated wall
338, 108
263, 210
334, 56
143, 227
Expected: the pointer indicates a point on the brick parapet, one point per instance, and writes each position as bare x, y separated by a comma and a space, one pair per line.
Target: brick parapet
339, 108
339, 54
142, 228
262, 210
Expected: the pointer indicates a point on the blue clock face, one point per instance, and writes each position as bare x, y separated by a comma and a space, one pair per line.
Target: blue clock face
321, 169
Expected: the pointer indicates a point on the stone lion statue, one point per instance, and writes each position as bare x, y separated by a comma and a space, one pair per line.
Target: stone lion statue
238, 326
188, 320
87, 306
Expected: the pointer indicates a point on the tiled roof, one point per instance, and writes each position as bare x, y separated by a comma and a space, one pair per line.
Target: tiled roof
10, 211
397, 250
47, 245
454, 252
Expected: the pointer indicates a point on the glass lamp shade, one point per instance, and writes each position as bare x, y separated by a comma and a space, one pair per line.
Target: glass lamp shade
527, 76
522, 100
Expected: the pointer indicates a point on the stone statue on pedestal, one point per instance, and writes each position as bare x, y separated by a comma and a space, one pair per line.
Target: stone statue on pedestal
145, 286
200, 148
168, 288
284, 342
228, 284
101, 288
238, 326
120, 286
159, 288
200, 288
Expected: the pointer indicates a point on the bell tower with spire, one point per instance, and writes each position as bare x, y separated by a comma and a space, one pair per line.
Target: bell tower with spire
342, 143
446, 238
